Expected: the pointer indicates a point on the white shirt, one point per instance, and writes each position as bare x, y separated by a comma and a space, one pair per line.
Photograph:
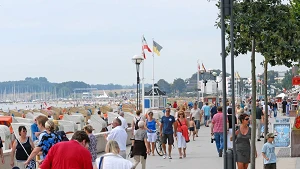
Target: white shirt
196, 113
119, 135
111, 161
124, 122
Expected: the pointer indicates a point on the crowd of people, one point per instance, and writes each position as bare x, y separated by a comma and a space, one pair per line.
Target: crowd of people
81, 150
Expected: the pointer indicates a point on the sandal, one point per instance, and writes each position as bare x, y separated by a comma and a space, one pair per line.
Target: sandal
184, 155
180, 157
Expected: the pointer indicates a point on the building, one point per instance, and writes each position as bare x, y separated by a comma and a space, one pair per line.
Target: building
155, 98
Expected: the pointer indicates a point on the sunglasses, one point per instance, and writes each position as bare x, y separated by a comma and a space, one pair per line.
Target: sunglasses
247, 119
180, 114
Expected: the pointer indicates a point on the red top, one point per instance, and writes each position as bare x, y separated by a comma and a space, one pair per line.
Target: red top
218, 122
68, 154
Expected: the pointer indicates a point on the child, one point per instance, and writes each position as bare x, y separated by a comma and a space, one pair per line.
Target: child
192, 128
268, 152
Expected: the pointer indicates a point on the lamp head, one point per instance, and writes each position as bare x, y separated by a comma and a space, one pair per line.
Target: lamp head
137, 59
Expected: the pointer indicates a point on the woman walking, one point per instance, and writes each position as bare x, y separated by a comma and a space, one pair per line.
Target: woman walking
182, 133
21, 151
151, 131
140, 146
93, 142
49, 138
243, 142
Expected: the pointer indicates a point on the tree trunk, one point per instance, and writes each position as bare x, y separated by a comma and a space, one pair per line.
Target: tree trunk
266, 98
253, 111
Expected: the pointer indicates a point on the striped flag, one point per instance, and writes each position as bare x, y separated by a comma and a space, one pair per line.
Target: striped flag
145, 46
199, 68
203, 67
156, 48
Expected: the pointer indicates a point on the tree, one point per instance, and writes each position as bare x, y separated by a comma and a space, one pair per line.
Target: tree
164, 85
266, 27
179, 85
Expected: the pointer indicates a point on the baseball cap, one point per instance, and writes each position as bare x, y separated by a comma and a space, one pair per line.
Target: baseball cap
269, 135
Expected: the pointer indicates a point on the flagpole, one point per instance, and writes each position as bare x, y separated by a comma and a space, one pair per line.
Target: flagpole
153, 77
198, 94
143, 88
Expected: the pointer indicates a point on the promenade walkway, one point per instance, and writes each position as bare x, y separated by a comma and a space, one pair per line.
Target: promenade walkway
203, 154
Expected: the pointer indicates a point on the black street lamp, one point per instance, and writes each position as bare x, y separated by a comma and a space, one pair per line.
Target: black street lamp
137, 60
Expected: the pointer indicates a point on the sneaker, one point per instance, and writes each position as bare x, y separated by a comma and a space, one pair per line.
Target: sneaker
258, 140
220, 153
170, 157
164, 156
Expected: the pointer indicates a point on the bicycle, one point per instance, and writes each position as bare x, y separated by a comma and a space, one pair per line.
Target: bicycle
158, 145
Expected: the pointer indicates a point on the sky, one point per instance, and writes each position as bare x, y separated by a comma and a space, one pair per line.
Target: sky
94, 40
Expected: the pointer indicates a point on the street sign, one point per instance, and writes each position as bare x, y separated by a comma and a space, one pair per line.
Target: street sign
283, 134
296, 80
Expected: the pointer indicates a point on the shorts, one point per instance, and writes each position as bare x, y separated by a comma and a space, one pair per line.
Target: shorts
206, 117
151, 137
197, 124
167, 137
270, 166
192, 128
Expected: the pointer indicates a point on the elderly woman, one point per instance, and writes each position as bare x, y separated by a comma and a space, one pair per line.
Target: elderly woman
93, 141
48, 139
21, 151
112, 159
140, 146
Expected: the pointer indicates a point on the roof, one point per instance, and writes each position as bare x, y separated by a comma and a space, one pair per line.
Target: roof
157, 91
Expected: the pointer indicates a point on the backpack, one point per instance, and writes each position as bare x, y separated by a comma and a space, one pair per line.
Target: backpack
62, 135
136, 126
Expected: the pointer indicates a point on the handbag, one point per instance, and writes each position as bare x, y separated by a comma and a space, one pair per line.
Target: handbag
32, 163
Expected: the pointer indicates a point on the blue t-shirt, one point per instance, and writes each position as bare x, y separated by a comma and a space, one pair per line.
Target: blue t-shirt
206, 110
151, 125
34, 128
269, 150
167, 123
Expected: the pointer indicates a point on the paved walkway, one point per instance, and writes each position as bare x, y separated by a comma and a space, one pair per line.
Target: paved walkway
203, 154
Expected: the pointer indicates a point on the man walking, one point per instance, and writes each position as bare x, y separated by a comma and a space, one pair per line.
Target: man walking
70, 154
196, 113
259, 120
119, 135
206, 112
217, 130
166, 132
123, 120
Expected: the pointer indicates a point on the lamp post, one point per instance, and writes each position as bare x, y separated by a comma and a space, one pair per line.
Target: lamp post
217, 82
137, 60
204, 77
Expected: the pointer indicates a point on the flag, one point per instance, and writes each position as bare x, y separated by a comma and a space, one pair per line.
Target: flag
203, 67
237, 75
156, 48
199, 67
145, 46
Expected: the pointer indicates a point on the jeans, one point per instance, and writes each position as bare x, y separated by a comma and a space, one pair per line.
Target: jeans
258, 126
275, 112
206, 118
219, 141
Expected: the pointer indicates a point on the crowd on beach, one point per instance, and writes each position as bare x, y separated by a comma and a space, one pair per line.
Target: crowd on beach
54, 150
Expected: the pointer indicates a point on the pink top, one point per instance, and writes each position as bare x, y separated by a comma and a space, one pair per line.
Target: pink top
218, 122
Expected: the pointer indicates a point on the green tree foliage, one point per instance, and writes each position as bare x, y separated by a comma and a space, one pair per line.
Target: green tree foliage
179, 85
270, 23
164, 86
